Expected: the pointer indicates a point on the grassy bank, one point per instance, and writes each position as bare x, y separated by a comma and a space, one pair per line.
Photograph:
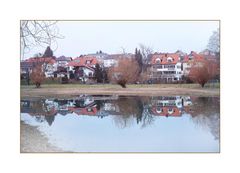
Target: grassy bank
207, 86
66, 90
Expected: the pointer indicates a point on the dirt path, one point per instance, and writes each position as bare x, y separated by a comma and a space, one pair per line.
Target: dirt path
66, 92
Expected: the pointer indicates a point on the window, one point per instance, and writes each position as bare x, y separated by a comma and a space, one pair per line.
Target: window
158, 61
170, 110
159, 110
169, 59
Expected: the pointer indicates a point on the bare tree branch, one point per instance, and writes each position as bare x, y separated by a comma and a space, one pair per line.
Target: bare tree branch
38, 33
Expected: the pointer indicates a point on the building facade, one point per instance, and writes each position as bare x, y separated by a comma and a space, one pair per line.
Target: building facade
166, 68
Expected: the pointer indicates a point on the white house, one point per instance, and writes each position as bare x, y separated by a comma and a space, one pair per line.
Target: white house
166, 67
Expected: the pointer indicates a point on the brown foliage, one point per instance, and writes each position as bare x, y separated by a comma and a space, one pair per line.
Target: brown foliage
202, 71
126, 71
37, 76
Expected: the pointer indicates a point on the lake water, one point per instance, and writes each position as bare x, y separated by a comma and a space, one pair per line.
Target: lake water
127, 123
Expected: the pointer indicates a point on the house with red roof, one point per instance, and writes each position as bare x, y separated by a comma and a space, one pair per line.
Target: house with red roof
166, 67
168, 106
83, 67
49, 65
188, 61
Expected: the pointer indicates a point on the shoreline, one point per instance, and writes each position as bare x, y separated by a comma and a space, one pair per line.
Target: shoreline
33, 141
65, 91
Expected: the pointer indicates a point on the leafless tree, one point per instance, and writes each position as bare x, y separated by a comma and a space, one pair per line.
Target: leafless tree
125, 72
38, 33
202, 71
123, 50
214, 42
37, 76
145, 51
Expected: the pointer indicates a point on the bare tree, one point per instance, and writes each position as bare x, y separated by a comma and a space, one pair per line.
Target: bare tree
145, 51
214, 42
37, 76
125, 72
202, 71
123, 50
38, 33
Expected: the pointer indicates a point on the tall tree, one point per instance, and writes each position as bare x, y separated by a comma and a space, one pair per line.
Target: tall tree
98, 73
48, 52
138, 57
145, 51
214, 42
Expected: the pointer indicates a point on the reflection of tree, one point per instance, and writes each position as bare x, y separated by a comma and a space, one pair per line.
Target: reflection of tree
131, 109
41, 111
205, 113
49, 119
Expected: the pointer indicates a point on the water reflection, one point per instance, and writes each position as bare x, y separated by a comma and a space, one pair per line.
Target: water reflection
126, 110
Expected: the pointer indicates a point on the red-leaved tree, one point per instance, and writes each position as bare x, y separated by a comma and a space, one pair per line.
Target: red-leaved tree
126, 71
37, 76
202, 71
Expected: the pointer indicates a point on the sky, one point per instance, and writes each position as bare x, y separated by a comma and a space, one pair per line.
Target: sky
85, 37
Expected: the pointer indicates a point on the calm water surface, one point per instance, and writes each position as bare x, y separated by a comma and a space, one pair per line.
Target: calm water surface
127, 123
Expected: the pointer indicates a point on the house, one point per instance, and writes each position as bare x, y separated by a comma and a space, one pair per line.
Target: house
112, 59
48, 65
83, 67
62, 61
165, 67
100, 56
25, 69
109, 62
188, 59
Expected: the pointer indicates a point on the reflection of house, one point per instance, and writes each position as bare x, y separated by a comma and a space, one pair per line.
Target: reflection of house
89, 110
167, 106
167, 111
166, 67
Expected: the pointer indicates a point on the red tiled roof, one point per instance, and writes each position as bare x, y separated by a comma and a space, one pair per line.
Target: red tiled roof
49, 60
164, 112
196, 57
163, 58
84, 111
185, 58
82, 61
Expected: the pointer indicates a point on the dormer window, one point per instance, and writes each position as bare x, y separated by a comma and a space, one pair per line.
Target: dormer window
170, 110
159, 110
169, 59
158, 60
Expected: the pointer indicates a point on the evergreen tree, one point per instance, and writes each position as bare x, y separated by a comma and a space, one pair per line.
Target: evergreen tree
48, 52
98, 73
138, 57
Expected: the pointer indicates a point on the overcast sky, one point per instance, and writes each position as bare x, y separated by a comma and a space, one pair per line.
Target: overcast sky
84, 37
